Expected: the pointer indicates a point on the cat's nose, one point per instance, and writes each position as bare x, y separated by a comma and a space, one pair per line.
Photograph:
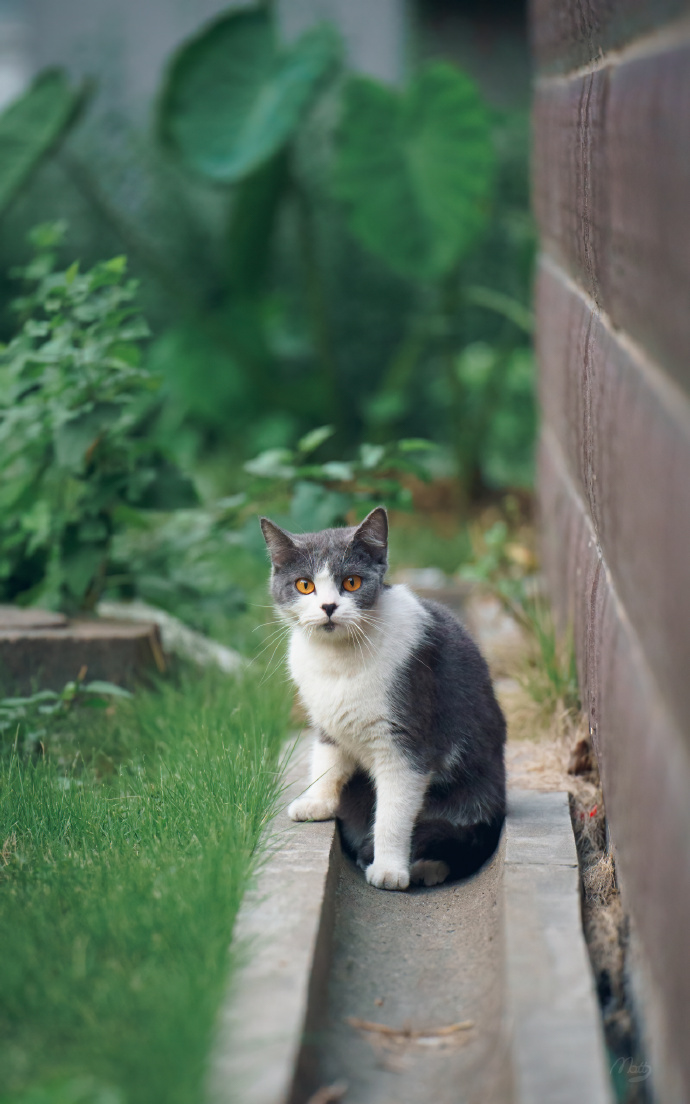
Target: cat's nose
329, 607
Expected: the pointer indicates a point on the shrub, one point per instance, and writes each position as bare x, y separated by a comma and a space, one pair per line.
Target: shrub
75, 403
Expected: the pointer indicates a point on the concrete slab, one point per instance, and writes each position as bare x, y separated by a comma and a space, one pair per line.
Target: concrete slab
47, 651
282, 936
426, 968
552, 1014
478, 992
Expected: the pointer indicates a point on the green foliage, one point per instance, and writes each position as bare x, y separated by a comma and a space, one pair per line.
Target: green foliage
551, 677
415, 170
498, 409
502, 566
492, 566
347, 244
31, 126
126, 848
74, 399
324, 494
233, 98
31, 716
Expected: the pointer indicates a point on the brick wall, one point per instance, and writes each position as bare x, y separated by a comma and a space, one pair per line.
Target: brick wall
612, 196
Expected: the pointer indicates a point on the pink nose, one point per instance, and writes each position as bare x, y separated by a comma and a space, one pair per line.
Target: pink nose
329, 607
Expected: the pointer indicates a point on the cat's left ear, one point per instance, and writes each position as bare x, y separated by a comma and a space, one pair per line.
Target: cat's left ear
372, 535
280, 544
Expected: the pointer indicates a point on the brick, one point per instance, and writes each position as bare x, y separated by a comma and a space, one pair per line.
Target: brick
569, 33
569, 176
643, 755
626, 440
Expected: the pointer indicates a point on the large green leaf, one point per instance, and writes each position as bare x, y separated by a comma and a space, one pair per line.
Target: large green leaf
30, 127
415, 170
232, 98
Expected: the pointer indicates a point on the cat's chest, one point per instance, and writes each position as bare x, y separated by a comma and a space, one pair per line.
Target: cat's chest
349, 701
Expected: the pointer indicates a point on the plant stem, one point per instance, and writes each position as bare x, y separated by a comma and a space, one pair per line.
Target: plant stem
316, 299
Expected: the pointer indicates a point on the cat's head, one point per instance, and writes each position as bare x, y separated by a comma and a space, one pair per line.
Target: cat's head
328, 581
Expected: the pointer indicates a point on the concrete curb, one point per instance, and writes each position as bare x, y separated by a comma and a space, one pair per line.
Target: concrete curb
283, 937
553, 1017
265, 1049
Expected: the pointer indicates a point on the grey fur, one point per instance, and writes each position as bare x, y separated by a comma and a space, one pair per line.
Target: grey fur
447, 722
356, 550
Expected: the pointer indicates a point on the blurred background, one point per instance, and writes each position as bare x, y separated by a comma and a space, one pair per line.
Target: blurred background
325, 204
346, 330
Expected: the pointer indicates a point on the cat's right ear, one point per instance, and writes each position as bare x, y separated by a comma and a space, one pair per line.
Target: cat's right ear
280, 544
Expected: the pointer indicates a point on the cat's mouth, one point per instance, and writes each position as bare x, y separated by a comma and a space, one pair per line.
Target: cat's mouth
329, 626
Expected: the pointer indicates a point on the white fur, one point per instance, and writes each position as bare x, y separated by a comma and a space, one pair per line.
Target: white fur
429, 872
343, 679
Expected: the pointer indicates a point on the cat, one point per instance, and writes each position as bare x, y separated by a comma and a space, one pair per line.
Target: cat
408, 751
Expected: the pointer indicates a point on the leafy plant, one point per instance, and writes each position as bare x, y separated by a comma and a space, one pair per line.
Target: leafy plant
411, 174
33, 716
351, 242
499, 415
233, 98
74, 402
504, 566
415, 169
324, 494
31, 126
496, 566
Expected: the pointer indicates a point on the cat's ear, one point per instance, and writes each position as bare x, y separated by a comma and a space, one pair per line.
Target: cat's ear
372, 535
280, 544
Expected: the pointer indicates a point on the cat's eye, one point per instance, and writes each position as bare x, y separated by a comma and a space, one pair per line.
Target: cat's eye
305, 586
353, 582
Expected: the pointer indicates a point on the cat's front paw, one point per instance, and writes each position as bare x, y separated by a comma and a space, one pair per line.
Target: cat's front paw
312, 808
387, 875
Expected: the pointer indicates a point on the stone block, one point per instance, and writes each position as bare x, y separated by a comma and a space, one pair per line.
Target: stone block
648, 178
44, 651
643, 752
611, 172
567, 34
569, 176
625, 433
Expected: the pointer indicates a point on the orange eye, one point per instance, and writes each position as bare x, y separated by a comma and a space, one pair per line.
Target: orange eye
353, 582
305, 586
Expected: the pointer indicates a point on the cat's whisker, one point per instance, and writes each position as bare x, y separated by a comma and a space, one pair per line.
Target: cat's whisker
354, 638
363, 643
268, 665
276, 638
366, 641
266, 624
275, 633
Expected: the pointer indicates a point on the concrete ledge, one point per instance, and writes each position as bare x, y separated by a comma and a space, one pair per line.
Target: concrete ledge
40, 650
276, 1020
283, 936
552, 1012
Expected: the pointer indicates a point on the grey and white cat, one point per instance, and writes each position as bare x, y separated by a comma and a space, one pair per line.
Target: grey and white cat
408, 752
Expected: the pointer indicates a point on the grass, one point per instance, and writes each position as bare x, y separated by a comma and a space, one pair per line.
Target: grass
550, 669
125, 851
